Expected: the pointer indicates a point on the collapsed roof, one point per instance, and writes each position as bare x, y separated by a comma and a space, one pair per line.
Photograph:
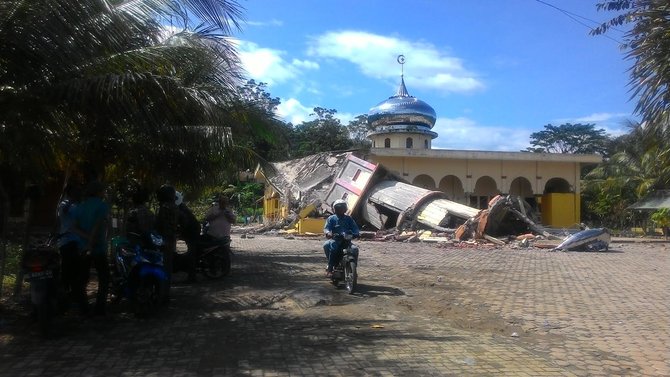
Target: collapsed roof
380, 199
306, 180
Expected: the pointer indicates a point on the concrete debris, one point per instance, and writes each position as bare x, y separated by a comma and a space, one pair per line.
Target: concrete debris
389, 208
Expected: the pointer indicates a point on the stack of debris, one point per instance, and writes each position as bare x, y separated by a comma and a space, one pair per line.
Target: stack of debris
506, 216
379, 200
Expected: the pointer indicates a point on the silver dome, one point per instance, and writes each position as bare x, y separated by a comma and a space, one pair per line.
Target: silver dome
402, 109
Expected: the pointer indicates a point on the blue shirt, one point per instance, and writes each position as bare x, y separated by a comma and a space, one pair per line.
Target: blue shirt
341, 224
89, 212
67, 215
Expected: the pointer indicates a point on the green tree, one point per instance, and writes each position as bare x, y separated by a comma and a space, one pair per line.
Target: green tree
605, 202
569, 138
661, 218
325, 133
105, 83
272, 143
640, 160
358, 131
648, 46
638, 163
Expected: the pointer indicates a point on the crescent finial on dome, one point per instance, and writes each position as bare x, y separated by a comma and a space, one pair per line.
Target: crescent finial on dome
402, 89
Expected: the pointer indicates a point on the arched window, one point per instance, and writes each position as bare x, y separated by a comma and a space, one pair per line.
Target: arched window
409, 142
387, 143
374, 144
425, 143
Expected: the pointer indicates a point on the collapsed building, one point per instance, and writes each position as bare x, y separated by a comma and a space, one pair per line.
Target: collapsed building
402, 183
298, 193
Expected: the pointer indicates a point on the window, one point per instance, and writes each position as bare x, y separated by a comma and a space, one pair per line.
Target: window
425, 143
409, 142
387, 143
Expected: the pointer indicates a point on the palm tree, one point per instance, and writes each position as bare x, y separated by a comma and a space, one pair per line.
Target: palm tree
648, 45
140, 88
147, 87
639, 163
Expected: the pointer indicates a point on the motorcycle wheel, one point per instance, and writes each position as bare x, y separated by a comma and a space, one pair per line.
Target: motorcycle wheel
350, 276
217, 265
43, 310
147, 297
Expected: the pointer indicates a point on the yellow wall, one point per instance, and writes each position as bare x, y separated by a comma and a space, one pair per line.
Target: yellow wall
560, 210
469, 171
564, 207
311, 225
271, 209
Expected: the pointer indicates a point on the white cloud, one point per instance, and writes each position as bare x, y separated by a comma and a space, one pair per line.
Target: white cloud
465, 134
307, 64
427, 66
345, 118
602, 117
291, 110
614, 124
265, 64
272, 22
268, 65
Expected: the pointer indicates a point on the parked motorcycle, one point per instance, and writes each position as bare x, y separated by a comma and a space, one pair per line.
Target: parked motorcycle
138, 273
213, 257
41, 268
345, 271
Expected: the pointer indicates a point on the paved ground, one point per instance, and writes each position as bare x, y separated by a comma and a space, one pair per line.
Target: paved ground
421, 310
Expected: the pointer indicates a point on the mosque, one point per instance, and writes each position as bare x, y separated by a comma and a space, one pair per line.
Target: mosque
401, 139
401, 136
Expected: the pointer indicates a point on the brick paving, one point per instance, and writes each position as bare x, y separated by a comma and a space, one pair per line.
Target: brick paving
422, 310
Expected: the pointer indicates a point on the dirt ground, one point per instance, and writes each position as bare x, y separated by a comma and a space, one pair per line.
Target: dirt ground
405, 287
444, 308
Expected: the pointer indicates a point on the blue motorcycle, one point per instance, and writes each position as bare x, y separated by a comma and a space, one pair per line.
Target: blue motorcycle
139, 274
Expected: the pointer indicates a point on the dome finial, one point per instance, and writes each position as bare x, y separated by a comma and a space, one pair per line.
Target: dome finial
402, 90
401, 61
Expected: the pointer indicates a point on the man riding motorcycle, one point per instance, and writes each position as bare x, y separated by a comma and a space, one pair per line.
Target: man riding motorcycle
337, 224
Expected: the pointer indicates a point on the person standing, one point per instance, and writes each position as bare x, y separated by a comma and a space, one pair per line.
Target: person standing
74, 267
189, 231
220, 219
166, 226
92, 221
141, 219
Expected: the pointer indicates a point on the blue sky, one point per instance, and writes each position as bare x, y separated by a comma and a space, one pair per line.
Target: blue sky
494, 71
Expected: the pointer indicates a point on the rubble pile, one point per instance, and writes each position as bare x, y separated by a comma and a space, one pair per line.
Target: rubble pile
391, 209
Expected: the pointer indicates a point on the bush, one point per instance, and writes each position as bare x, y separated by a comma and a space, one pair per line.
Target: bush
12, 265
662, 219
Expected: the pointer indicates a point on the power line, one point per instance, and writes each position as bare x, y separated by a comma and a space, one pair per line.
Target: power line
576, 18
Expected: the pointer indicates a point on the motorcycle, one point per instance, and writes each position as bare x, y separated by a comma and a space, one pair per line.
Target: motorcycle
41, 268
213, 257
138, 273
345, 271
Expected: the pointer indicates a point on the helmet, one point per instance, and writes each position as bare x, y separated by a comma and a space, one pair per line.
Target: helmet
178, 198
340, 203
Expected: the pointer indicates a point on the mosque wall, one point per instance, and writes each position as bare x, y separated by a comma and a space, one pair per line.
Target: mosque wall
400, 141
502, 173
